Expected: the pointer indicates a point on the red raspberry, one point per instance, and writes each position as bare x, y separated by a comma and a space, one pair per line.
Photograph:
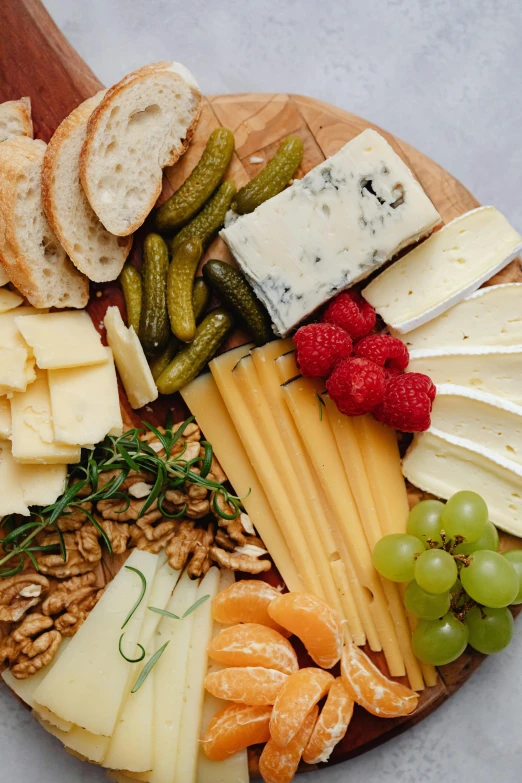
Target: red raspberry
352, 313
407, 402
356, 386
383, 349
320, 347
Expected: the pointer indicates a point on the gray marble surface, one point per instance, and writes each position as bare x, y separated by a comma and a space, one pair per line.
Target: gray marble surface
445, 76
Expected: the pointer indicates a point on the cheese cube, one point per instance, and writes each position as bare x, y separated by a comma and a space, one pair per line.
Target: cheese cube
337, 225
27, 485
32, 427
59, 340
5, 418
85, 403
9, 300
130, 359
449, 266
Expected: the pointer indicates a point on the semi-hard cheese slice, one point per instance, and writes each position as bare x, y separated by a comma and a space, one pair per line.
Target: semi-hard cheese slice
443, 464
5, 418
490, 316
9, 300
96, 673
489, 369
448, 266
25, 689
59, 340
84, 743
130, 359
85, 403
337, 225
16, 359
27, 485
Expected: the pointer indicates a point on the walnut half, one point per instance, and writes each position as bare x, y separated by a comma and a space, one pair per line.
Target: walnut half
20, 593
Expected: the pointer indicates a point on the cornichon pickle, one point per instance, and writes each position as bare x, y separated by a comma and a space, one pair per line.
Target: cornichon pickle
211, 218
154, 330
200, 184
130, 281
200, 296
273, 178
180, 283
193, 357
237, 294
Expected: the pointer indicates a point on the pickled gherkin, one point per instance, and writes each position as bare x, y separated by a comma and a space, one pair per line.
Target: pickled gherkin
273, 178
180, 284
200, 184
130, 281
154, 329
210, 220
200, 297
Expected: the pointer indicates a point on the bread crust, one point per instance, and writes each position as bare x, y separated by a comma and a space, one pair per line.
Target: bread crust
22, 108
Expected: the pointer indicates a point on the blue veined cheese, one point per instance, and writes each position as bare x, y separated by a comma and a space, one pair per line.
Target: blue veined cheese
334, 227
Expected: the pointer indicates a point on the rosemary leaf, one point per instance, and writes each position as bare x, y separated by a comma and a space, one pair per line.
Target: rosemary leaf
142, 593
131, 660
164, 613
148, 667
195, 605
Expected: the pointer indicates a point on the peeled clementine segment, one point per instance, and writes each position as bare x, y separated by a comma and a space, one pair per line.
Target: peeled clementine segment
314, 621
246, 602
371, 689
332, 724
235, 728
296, 698
253, 685
252, 644
279, 765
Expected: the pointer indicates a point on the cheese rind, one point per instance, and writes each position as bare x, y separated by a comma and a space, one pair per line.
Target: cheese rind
130, 359
60, 340
337, 225
448, 266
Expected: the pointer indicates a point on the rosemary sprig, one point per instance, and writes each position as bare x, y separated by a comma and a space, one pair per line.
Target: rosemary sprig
148, 667
140, 597
321, 403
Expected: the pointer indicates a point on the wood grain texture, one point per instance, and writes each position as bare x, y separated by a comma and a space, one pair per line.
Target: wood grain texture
37, 61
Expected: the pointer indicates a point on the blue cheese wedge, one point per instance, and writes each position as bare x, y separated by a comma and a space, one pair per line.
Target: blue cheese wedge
450, 265
337, 225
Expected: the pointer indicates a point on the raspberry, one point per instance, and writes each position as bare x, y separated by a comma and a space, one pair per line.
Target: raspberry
407, 402
357, 386
385, 350
352, 313
320, 347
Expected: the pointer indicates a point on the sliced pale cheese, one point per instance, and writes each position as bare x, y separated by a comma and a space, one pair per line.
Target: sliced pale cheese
27, 485
492, 370
32, 427
490, 316
10, 335
451, 264
169, 680
443, 464
130, 359
205, 402
13, 374
5, 418
25, 689
93, 668
3, 276
121, 777
60, 340
12, 494
88, 745
85, 403
188, 743
9, 300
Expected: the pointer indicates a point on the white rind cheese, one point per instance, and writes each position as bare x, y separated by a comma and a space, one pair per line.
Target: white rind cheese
496, 371
490, 316
130, 359
443, 464
59, 340
449, 266
337, 225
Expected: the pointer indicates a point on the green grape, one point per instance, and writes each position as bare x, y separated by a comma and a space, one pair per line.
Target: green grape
489, 634
488, 540
435, 571
465, 514
440, 641
424, 521
458, 590
515, 558
394, 556
490, 579
426, 605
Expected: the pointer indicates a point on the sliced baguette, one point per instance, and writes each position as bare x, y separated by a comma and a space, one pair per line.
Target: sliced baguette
29, 250
144, 123
15, 119
93, 250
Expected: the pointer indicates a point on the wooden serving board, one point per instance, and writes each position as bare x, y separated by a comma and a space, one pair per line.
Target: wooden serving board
36, 60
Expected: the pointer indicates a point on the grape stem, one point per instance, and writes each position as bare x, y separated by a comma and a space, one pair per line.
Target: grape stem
464, 559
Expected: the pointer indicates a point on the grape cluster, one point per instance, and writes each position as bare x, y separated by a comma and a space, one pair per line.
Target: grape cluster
459, 586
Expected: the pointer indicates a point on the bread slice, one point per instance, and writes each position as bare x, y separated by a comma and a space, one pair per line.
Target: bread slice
15, 119
144, 123
93, 250
29, 251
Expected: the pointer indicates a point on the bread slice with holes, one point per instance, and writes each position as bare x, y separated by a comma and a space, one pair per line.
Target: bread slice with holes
15, 119
29, 251
144, 123
93, 250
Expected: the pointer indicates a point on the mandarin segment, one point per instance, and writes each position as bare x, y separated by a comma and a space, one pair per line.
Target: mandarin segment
252, 644
235, 728
332, 724
296, 698
371, 689
252, 685
279, 765
246, 601
313, 621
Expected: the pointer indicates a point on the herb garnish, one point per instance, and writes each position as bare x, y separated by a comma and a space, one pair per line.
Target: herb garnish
138, 602
322, 404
